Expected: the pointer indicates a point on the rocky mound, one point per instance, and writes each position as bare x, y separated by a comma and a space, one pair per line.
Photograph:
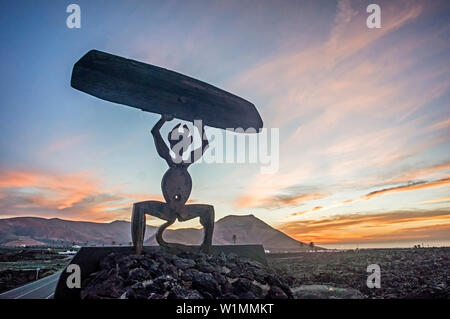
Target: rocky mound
183, 275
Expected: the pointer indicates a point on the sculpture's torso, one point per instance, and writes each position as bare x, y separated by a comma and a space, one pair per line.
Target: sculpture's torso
176, 187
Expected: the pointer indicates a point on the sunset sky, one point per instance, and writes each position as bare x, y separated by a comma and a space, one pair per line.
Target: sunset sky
363, 114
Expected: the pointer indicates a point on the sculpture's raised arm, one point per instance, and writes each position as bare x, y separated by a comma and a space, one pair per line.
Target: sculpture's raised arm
161, 146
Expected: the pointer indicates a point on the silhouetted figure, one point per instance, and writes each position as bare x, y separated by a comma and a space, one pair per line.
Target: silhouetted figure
234, 238
176, 187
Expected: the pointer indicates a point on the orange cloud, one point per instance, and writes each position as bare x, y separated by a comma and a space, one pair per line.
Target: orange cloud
77, 196
420, 172
437, 200
439, 125
65, 189
63, 144
379, 227
307, 211
403, 188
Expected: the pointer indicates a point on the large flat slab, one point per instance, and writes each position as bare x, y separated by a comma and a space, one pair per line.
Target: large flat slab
158, 90
88, 259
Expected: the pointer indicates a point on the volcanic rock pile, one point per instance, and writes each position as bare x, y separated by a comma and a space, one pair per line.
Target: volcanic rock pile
183, 275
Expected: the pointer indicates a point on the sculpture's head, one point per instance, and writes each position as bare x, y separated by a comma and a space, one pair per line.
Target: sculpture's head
179, 139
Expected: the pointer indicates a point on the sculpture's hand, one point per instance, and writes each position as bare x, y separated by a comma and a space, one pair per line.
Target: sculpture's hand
161, 146
167, 117
164, 118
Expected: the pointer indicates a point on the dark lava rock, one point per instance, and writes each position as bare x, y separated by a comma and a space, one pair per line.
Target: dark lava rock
164, 283
184, 263
183, 293
137, 274
276, 293
108, 285
206, 267
188, 275
221, 279
221, 259
205, 282
243, 286
275, 280
182, 275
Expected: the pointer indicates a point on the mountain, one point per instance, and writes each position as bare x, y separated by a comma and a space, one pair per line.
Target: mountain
58, 231
248, 230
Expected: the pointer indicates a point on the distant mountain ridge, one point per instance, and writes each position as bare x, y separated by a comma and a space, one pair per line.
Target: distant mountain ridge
59, 231
248, 230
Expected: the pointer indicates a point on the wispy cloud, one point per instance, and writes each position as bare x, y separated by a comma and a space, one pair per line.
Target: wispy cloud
79, 196
278, 201
342, 108
408, 187
438, 200
316, 208
373, 227
444, 124
418, 172
63, 144
411, 186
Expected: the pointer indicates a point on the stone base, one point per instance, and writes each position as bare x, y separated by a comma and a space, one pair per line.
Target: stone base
88, 259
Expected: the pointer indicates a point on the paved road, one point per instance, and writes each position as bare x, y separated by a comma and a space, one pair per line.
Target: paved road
41, 289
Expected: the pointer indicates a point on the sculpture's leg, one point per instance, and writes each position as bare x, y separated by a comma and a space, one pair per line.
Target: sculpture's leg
137, 228
207, 221
206, 214
153, 208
